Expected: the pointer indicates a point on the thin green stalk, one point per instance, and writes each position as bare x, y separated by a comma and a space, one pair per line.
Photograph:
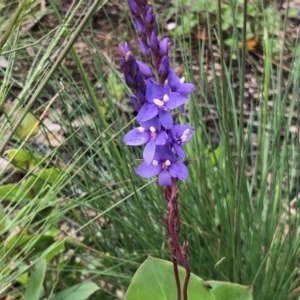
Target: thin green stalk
47, 77
11, 24
240, 159
229, 162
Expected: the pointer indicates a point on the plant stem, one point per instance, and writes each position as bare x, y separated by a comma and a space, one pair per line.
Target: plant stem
179, 252
177, 279
186, 282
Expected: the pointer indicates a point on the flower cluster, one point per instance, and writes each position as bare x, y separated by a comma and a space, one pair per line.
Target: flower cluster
157, 91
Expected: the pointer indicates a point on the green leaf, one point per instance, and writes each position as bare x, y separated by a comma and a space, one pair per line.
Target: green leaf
21, 158
17, 238
28, 126
28, 188
36, 279
154, 279
79, 291
53, 250
228, 290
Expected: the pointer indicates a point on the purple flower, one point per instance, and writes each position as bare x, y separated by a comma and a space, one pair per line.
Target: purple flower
180, 134
164, 46
165, 165
164, 67
144, 47
159, 101
148, 133
154, 41
124, 49
177, 84
140, 28
133, 7
156, 91
144, 69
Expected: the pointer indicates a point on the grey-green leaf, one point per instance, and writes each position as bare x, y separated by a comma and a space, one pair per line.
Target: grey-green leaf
79, 291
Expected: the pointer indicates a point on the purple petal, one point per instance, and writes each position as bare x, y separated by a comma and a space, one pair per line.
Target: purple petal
149, 15
153, 40
140, 28
166, 119
149, 152
179, 170
147, 112
163, 46
144, 69
161, 138
163, 70
182, 133
154, 90
179, 151
173, 79
124, 49
164, 153
144, 47
133, 7
177, 85
164, 178
185, 88
135, 137
152, 122
175, 100
146, 170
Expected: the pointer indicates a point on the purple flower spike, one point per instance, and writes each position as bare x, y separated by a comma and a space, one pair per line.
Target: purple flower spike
156, 91
165, 165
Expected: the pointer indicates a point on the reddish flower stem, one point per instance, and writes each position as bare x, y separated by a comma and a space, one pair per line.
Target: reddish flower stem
179, 252
177, 279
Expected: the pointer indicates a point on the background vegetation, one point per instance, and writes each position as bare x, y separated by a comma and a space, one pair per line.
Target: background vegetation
72, 208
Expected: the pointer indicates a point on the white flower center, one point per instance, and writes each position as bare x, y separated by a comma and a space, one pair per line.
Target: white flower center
152, 129
161, 103
154, 162
166, 164
141, 129
183, 137
166, 98
153, 133
158, 102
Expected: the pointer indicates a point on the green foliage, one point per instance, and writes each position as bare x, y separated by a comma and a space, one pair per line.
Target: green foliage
155, 280
81, 291
35, 282
78, 205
